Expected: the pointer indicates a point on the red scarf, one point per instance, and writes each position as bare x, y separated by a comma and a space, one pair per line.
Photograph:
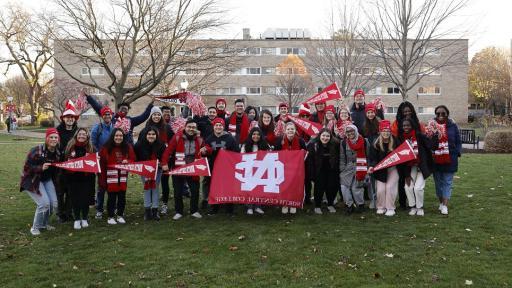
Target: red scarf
294, 145
361, 166
270, 136
179, 157
320, 115
244, 129
414, 143
442, 153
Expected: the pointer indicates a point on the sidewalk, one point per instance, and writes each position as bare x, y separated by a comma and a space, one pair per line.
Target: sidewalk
23, 133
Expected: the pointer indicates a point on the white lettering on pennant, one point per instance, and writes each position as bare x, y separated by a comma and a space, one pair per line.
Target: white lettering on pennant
149, 168
269, 166
90, 163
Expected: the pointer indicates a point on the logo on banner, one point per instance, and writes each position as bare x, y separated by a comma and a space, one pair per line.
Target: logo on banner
268, 172
149, 168
404, 152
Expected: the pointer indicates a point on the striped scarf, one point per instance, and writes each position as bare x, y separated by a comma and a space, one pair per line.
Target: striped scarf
361, 165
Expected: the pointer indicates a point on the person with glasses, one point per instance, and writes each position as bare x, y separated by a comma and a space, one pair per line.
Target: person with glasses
446, 156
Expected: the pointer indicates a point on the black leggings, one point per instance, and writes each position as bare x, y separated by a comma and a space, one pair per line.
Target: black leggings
116, 200
165, 189
80, 193
326, 182
178, 183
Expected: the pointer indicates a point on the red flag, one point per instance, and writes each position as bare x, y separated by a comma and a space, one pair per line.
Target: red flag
309, 127
401, 154
148, 169
199, 167
263, 178
89, 164
330, 92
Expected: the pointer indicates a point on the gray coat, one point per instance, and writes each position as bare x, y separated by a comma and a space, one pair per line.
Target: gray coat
348, 164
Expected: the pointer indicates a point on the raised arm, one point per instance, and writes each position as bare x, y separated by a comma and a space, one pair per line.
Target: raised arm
137, 120
94, 104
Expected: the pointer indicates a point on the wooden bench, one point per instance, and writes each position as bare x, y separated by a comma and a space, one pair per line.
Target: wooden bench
468, 136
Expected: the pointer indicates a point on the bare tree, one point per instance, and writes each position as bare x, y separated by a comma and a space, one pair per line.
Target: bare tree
405, 36
17, 88
27, 42
293, 81
138, 44
343, 58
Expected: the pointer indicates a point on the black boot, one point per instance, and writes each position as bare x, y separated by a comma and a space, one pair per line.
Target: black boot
154, 214
147, 214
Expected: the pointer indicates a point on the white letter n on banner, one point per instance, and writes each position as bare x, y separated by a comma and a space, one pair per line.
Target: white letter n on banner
250, 178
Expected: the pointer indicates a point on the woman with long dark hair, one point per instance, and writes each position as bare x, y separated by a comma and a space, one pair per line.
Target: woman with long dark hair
117, 150
149, 147
267, 126
79, 184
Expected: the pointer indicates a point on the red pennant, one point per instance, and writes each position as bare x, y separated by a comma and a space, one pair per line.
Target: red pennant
199, 167
148, 169
330, 92
401, 154
263, 178
89, 164
309, 127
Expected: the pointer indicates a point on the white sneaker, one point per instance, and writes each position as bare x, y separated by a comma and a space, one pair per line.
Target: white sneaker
164, 209
120, 220
331, 209
390, 212
177, 216
259, 211
318, 211
381, 211
372, 204
293, 210
85, 224
99, 215
413, 211
111, 221
440, 206
35, 231
420, 212
284, 210
77, 225
197, 215
250, 212
444, 210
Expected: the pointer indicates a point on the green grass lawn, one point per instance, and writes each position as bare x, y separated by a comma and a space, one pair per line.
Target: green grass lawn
363, 250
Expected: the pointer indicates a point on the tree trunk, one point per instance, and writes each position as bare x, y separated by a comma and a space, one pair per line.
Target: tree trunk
32, 105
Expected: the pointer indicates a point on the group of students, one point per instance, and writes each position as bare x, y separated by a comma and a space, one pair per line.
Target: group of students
340, 158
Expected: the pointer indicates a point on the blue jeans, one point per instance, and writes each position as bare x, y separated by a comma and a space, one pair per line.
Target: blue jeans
151, 196
46, 203
443, 181
100, 199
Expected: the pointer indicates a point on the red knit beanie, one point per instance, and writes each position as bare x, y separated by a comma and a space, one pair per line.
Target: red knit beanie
369, 106
51, 131
218, 120
384, 124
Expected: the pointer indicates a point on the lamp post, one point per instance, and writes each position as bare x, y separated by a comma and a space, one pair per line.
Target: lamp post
186, 111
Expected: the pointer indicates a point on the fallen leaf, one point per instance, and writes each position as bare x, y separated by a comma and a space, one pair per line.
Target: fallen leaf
308, 234
435, 278
179, 239
233, 248
264, 257
492, 188
279, 239
74, 267
389, 255
241, 237
376, 275
469, 282
470, 195
456, 177
70, 234
467, 229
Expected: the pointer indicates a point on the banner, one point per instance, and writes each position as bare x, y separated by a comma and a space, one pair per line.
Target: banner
147, 169
330, 92
199, 167
262, 178
89, 164
309, 127
401, 154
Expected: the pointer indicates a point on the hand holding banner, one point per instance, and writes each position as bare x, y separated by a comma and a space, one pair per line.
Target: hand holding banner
330, 92
148, 169
199, 167
88, 164
401, 154
309, 127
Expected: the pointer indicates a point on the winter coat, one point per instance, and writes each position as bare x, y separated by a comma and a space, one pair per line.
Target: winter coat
455, 147
348, 160
314, 160
358, 115
204, 125
100, 133
65, 135
33, 168
425, 148
375, 156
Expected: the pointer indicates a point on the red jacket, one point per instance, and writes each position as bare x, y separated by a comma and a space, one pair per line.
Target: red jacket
114, 180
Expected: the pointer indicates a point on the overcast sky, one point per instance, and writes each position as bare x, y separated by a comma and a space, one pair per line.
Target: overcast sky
489, 21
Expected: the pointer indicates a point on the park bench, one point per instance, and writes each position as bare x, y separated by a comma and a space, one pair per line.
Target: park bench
468, 136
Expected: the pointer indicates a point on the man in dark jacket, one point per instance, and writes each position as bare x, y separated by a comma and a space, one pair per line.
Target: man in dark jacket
204, 123
357, 112
220, 139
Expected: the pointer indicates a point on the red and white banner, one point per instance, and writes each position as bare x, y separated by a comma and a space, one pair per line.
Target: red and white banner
262, 178
309, 127
199, 167
401, 154
330, 92
148, 169
89, 164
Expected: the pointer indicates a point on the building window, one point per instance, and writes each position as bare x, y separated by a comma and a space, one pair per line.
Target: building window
269, 90
362, 71
226, 91
253, 71
393, 90
429, 90
294, 51
268, 70
253, 90
93, 71
253, 51
391, 110
268, 51
426, 110
428, 70
375, 91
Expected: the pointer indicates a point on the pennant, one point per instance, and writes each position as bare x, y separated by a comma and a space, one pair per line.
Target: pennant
309, 127
199, 167
330, 92
148, 169
88, 164
399, 155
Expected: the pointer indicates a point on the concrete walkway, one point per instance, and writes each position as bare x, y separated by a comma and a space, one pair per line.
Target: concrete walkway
23, 133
